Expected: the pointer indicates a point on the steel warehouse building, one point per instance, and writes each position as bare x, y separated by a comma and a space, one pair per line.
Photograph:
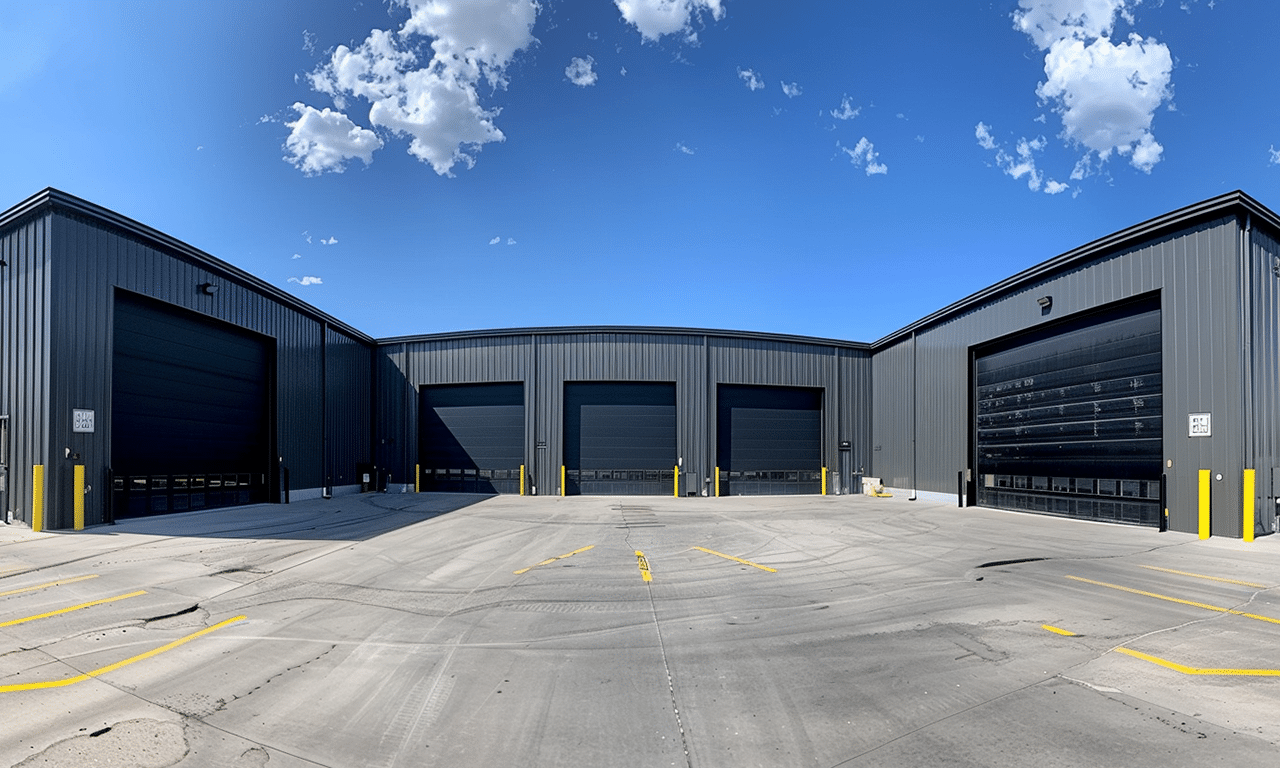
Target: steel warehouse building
1135, 379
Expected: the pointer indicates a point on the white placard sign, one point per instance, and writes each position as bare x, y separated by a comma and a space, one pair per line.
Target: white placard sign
1198, 425
81, 420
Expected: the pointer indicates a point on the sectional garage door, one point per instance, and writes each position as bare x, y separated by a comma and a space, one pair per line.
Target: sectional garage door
620, 438
768, 440
190, 410
471, 438
1069, 419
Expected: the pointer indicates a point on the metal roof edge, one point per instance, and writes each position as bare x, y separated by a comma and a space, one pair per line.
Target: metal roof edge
623, 329
55, 199
1230, 203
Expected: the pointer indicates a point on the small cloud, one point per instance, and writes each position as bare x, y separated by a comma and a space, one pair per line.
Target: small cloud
1023, 161
901, 116
511, 241
495, 241
307, 235
306, 280
322, 141
308, 41
749, 77
593, 36
297, 255
1275, 156
983, 134
864, 155
847, 110
792, 90
1054, 187
331, 241
680, 147
920, 139
581, 72
655, 18
624, 71
1041, 119
199, 147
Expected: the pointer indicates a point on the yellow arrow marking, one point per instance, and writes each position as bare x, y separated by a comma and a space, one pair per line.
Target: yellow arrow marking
643, 562
119, 664
61, 611
550, 560
737, 559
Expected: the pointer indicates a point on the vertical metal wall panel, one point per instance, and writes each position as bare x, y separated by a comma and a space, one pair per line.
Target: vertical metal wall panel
63, 305
348, 411
1264, 286
1195, 273
26, 337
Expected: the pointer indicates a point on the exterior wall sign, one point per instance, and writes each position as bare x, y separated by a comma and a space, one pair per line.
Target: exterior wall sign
81, 420
1198, 425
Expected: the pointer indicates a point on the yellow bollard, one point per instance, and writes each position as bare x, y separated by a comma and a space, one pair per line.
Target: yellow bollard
521, 479
417, 478
1250, 481
37, 498
562, 480
824, 481
717, 482
1204, 504
77, 500
675, 482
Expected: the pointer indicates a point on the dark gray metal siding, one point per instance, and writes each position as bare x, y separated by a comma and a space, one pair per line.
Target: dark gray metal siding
695, 361
1262, 399
88, 259
1194, 272
25, 339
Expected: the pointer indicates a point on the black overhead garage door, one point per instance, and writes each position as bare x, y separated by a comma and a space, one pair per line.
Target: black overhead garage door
190, 410
769, 440
1069, 418
471, 437
620, 438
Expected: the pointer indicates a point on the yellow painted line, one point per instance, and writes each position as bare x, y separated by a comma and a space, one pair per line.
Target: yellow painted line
1202, 576
119, 664
61, 611
50, 584
1191, 603
737, 559
643, 562
1184, 669
1057, 631
550, 560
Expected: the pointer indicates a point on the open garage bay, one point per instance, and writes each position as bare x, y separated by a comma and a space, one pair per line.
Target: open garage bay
450, 630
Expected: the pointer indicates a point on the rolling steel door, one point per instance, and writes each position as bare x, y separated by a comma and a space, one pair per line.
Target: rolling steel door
1069, 419
768, 440
471, 438
620, 438
190, 411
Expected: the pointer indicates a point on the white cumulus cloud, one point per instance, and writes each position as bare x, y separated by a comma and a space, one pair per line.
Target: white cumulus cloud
655, 18
581, 72
752, 80
791, 89
495, 241
1022, 163
680, 147
306, 280
847, 111
331, 240
1275, 155
511, 241
864, 156
1106, 93
297, 255
427, 93
322, 141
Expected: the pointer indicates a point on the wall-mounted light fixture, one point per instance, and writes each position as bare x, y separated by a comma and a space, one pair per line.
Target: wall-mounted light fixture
208, 289
1046, 304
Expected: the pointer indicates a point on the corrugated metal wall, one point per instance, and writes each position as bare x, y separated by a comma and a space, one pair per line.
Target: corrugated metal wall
694, 361
1264, 345
91, 260
25, 338
1199, 294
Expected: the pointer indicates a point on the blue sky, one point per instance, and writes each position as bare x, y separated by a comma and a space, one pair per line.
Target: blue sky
834, 169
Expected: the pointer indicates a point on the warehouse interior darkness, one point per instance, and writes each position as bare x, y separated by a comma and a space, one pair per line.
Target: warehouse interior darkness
1133, 380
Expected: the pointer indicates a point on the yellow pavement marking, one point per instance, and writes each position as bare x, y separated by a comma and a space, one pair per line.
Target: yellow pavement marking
1057, 631
1202, 576
1191, 603
119, 664
737, 559
61, 611
50, 584
1199, 670
550, 560
643, 562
